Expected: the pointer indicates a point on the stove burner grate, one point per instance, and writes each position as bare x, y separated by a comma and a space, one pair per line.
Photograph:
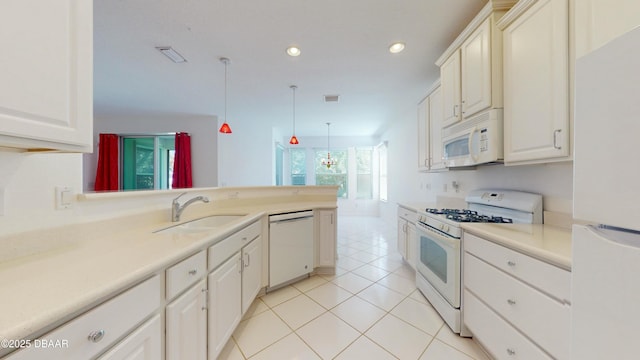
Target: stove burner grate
464, 215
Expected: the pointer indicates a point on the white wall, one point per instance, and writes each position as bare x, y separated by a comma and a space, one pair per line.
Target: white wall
246, 156
204, 142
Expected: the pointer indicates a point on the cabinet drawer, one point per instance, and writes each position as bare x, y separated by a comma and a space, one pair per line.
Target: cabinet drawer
407, 214
221, 251
497, 336
548, 278
144, 343
113, 319
185, 273
543, 319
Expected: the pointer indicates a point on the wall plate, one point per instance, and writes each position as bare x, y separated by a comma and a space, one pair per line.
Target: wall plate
64, 197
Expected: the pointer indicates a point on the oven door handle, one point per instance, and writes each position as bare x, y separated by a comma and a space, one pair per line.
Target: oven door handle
440, 238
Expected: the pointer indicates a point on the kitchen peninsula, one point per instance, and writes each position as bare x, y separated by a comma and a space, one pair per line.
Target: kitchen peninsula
60, 278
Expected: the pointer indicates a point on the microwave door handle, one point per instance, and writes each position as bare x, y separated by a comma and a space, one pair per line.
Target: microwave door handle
473, 155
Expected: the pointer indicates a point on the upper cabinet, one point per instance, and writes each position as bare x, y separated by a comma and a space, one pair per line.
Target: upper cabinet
537, 121
471, 68
46, 91
430, 118
598, 22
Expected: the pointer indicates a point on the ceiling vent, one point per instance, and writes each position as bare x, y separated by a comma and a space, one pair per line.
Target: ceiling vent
331, 98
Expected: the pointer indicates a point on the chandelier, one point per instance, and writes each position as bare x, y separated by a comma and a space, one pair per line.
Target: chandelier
328, 161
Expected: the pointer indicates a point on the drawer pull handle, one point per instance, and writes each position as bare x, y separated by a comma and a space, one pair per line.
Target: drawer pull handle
193, 272
511, 352
511, 301
511, 263
244, 238
96, 336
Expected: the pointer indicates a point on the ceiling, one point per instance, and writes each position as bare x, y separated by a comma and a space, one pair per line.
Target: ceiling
344, 47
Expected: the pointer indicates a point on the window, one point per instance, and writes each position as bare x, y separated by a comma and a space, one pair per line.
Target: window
364, 183
147, 162
298, 166
336, 174
279, 164
382, 171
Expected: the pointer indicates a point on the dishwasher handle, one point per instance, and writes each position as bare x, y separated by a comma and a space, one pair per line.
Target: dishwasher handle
294, 216
290, 219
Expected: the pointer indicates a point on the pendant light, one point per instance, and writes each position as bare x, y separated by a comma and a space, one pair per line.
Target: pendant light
225, 129
294, 139
328, 161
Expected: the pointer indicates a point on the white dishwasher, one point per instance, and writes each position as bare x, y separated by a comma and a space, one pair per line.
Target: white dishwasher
290, 246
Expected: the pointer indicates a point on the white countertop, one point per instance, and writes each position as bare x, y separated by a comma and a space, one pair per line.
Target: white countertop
548, 243
52, 275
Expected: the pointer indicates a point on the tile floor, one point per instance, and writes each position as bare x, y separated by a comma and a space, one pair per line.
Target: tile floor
370, 309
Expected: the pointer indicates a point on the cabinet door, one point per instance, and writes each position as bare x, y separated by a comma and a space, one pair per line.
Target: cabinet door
423, 134
536, 83
327, 238
450, 85
225, 296
402, 237
251, 272
476, 70
46, 97
186, 325
598, 22
145, 343
436, 118
412, 245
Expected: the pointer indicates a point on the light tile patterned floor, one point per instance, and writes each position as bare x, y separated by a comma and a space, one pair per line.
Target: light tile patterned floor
370, 309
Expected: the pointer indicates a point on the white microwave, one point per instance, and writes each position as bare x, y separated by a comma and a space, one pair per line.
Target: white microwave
474, 141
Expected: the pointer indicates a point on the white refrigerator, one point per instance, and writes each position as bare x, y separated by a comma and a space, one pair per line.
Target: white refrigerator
606, 256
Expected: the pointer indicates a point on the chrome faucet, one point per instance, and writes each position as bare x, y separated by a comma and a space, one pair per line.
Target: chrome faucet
176, 209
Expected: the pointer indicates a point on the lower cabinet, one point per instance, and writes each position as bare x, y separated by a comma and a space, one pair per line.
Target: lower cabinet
232, 288
186, 325
144, 343
327, 237
225, 303
407, 236
515, 306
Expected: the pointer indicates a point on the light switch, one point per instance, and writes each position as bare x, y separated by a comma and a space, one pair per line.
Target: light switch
64, 197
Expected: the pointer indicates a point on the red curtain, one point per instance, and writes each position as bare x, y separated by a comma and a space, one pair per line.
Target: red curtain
107, 174
182, 162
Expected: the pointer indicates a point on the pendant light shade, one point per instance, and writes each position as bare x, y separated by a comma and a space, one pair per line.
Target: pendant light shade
225, 128
328, 161
294, 139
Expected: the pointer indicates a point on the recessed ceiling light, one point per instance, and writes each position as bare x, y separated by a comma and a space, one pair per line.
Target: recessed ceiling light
171, 54
396, 47
293, 51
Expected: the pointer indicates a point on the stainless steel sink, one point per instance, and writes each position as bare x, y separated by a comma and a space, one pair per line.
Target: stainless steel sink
202, 224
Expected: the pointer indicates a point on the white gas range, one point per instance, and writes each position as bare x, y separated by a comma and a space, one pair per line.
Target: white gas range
439, 243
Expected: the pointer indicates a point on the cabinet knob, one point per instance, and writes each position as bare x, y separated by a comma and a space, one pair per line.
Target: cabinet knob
511, 352
193, 272
96, 336
511, 302
511, 263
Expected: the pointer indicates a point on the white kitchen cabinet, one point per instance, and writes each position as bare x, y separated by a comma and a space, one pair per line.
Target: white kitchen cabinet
251, 272
508, 294
536, 82
145, 343
46, 97
436, 118
407, 242
598, 22
423, 134
450, 87
225, 303
476, 70
186, 325
96, 330
471, 68
327, 238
